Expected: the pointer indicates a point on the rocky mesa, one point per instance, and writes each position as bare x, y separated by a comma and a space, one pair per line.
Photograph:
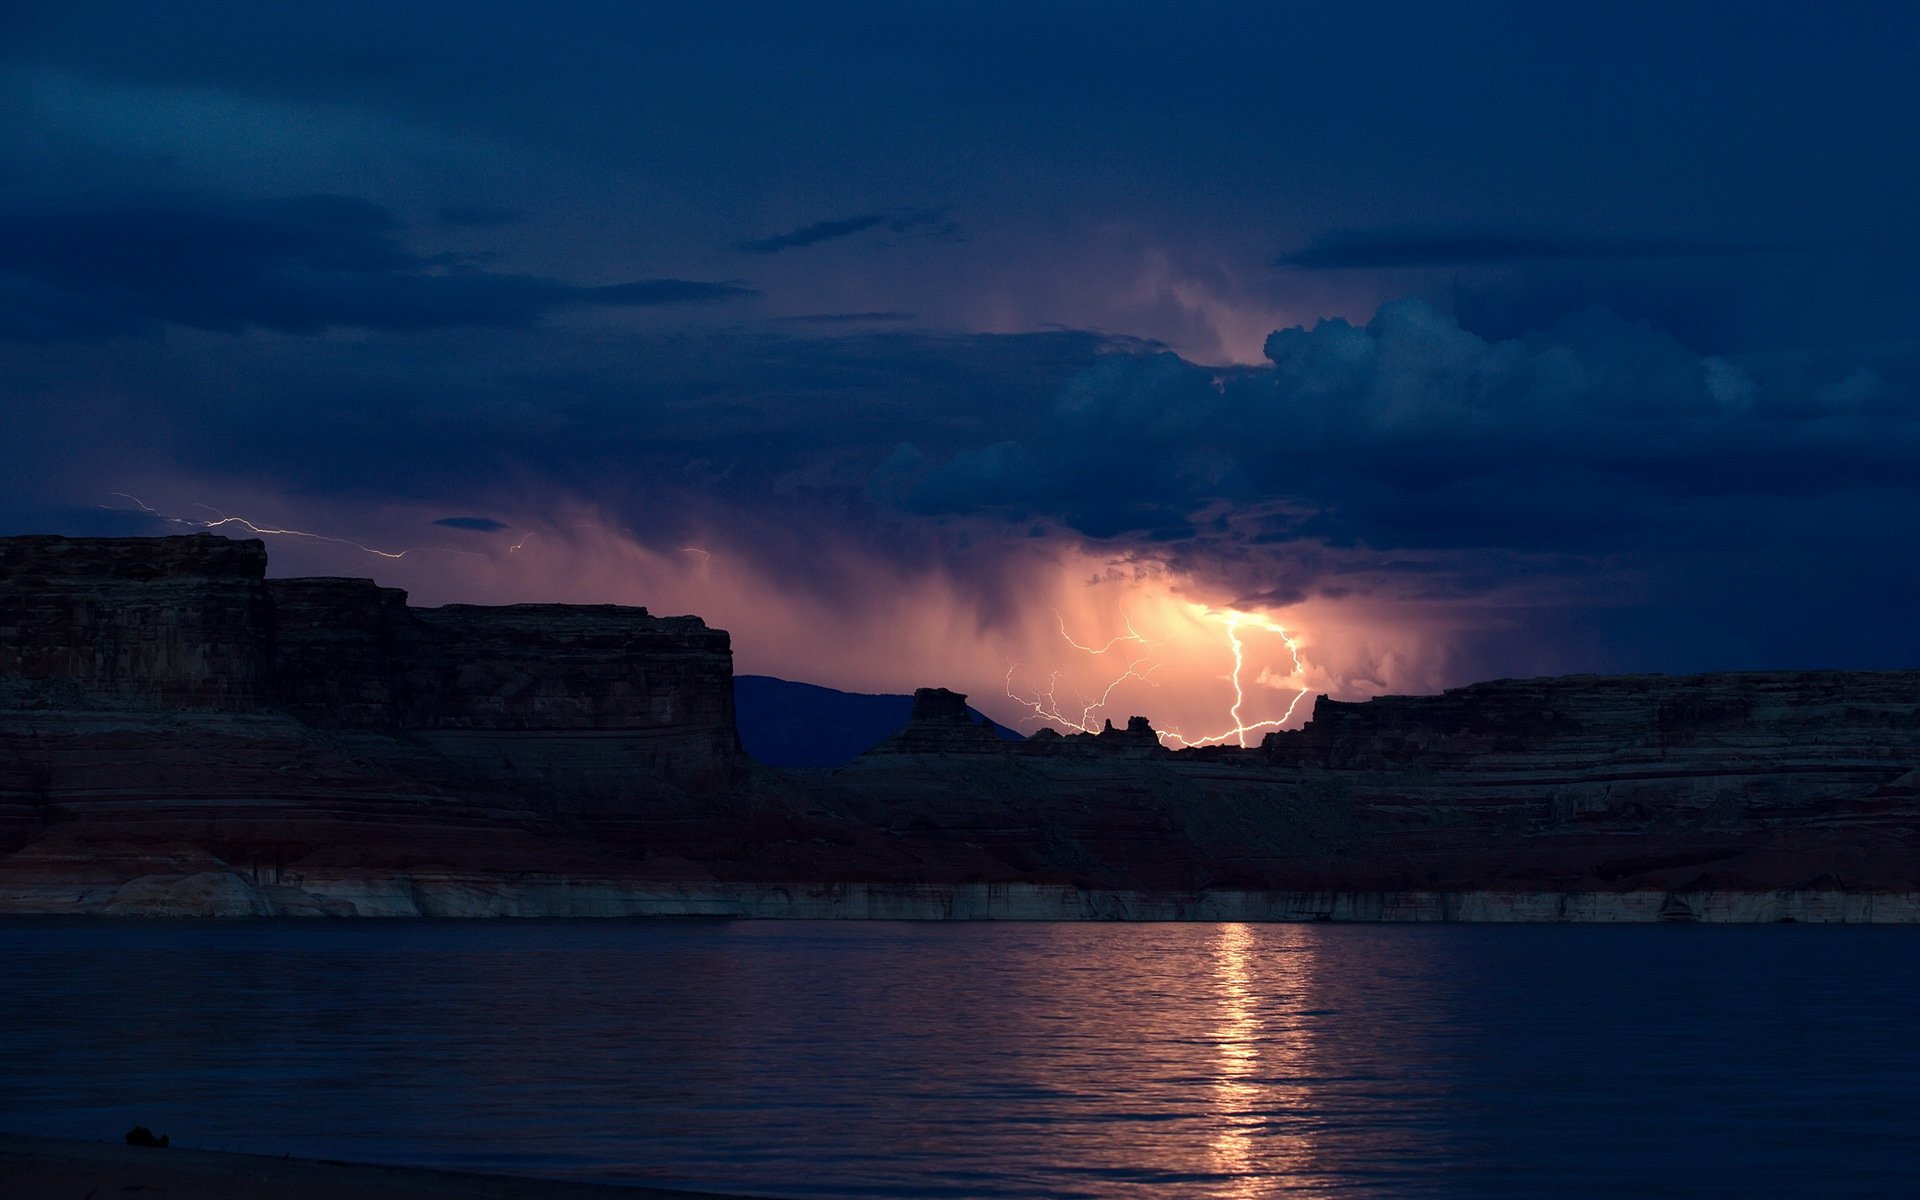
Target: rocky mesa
181, 735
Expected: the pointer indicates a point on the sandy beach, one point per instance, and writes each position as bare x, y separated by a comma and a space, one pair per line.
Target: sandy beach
39, 1168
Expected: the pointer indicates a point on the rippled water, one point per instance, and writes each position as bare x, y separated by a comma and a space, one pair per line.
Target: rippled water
858, 1059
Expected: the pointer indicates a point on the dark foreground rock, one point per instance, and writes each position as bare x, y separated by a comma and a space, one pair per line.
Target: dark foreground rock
38, 1168
181, 736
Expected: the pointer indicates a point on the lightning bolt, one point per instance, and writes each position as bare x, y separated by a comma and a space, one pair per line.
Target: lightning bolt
1044, 703
1129, 636
1045, 706
1231, 620
222, 520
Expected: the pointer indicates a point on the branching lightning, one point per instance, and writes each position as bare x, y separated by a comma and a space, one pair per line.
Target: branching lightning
1131, 635
1045, 705
1156, 657
1232, 620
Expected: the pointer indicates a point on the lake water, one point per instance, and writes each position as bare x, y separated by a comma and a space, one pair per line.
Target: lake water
993, 1060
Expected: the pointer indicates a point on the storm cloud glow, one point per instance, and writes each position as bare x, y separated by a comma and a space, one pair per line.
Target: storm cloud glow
1181, 364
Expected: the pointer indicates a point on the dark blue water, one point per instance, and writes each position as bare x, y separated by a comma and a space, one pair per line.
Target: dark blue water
994, 1060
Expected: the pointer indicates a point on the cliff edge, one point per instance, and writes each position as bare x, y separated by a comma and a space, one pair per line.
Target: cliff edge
181, 735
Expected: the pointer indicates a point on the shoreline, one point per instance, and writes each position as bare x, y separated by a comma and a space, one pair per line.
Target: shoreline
50, 1168
232, 894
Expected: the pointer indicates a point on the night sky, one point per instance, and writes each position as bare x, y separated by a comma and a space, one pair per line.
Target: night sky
1021, 348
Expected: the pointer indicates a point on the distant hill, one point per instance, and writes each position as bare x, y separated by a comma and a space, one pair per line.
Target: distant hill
788, 724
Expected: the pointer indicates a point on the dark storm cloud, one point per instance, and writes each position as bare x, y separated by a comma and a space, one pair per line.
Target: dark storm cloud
728, 418
1406, 456
297, 265
1374, 249
1701, 309
1660, 509
1410, 432
930, 223
1527, 437
476, 524
96, 521
771, 439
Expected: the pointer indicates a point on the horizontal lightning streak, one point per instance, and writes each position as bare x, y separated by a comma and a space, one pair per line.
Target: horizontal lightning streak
221, 520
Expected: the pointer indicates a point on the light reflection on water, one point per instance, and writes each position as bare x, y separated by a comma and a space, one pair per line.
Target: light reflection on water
1207, 1061
1238, 1091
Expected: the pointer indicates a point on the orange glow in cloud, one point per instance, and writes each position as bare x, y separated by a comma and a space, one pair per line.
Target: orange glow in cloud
1189, 638
1071, 637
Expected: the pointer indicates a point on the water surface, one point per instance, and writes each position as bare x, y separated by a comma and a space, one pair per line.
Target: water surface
993, 1060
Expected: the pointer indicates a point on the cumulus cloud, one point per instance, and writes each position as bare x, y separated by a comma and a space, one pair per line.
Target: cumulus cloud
1597, 464
298, 264
1596, 491
1410, 430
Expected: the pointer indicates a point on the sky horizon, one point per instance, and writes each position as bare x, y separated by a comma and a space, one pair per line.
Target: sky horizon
1092, 360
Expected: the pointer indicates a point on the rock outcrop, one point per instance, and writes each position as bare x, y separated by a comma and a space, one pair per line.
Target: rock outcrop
191, 623
178, 621
941, 723
588, 698
180, 735
1736, 783
161, 694
1592, 754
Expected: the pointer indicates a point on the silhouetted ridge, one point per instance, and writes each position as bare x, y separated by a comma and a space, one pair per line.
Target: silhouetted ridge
788, 724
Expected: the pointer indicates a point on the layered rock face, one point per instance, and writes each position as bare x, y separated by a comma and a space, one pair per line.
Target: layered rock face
340, 648
179, 734
1821, 716
591, 700
1595, 753
1737, 783
162, 693
192, 623
591, 695
180, 621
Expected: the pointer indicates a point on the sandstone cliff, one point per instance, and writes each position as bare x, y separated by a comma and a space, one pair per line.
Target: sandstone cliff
161, 702
191, 623
179, 621
179, 734
589, 698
